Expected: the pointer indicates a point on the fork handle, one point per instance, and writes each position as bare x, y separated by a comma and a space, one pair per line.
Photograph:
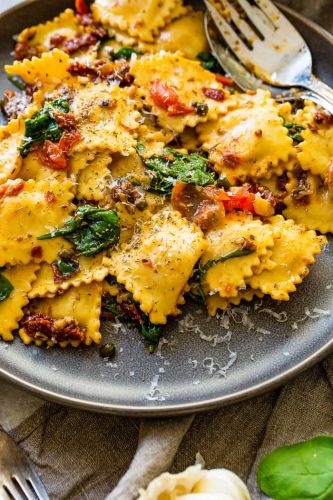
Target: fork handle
321, 93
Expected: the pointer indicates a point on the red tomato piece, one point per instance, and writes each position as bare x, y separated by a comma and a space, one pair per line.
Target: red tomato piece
179, 109
163, 95
81, 7
225, 80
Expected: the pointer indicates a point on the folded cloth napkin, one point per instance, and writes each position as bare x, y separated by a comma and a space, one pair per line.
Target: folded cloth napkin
83, 455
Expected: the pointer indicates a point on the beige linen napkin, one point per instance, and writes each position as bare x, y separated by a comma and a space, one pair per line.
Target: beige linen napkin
83, 455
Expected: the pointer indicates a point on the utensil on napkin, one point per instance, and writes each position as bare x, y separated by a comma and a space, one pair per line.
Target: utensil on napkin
18, 479
263, 46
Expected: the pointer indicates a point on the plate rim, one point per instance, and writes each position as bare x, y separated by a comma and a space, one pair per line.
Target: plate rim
183, 408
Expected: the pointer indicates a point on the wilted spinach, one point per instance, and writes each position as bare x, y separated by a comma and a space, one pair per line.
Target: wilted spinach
172, 166
6, 287
91, 230
124, 53
43, 126
294, 130
209, 62
130, 313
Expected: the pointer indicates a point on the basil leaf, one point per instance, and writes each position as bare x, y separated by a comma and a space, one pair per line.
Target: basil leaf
42, 125
209, 62
91, 230
6, 288
299, 472
124, 53
294, 130
173, 166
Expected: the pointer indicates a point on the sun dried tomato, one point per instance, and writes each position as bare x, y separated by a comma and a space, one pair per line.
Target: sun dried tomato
216, 94
42, 327
23, 50
36, 252
73, 44
81, 7
11, 189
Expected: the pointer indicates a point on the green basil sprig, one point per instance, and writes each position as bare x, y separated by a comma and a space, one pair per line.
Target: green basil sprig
91, 230
302, 471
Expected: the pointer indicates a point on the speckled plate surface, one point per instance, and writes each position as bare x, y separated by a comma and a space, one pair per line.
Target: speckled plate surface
211, 362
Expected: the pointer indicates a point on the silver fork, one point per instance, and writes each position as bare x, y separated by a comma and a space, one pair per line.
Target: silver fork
18, 480
247, 80
268, 45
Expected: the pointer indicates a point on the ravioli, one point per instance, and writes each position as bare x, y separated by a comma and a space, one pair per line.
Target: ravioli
107, 118
139, 19
317, 140
315, 210
34, 210
157, 263
188, 79
217, 303
80, 305
249, 141
293, 252
11, 309
90, 269
65, 25
174, 36
94, 178
49, 69
11, 138
228, 277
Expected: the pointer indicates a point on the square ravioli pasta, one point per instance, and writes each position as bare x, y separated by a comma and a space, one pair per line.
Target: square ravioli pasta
28, 210
176, 88
141, 19
157, 263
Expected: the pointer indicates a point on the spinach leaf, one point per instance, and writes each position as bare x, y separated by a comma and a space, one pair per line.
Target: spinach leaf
209, 62
43, 126
129, 312
91, 230
124, 53
294, 130
64, 268
173, 166
6, 287
151, 332
238, 252
299, 472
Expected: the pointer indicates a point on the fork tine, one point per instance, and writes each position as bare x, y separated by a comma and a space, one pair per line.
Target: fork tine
233, 40
24, 487
275, 16
12, 490
258, 18
242, 25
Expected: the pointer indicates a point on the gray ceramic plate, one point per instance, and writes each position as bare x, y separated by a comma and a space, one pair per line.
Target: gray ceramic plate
251, 350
